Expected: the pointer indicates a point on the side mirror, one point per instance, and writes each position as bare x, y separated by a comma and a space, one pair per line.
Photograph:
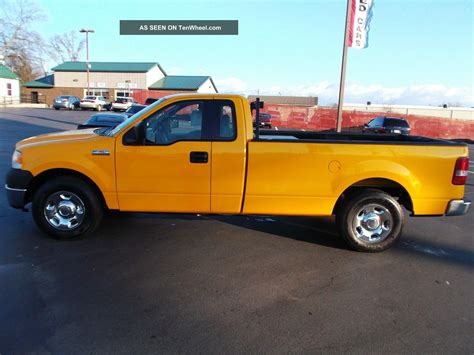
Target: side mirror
135, 136
139, 130
366, 125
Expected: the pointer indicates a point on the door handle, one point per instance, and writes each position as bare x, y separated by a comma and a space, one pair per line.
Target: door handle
198, 157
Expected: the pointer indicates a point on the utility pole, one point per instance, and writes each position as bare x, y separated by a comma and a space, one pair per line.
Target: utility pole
343, 70
83, 30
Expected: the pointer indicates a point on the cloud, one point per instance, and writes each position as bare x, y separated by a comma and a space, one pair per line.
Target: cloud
426, 94
231, 85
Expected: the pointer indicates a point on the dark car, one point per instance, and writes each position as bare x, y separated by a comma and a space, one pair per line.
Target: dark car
66, 101
265, 120
384, 124
103, 120
150, 100
133, 110
108, 106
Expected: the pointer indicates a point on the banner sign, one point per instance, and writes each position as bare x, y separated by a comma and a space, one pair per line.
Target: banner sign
361, 14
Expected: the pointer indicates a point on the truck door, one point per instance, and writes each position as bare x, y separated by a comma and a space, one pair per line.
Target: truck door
228, 156
171, 171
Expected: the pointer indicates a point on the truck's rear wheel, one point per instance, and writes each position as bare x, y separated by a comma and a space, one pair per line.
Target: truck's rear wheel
67, 207
370, 220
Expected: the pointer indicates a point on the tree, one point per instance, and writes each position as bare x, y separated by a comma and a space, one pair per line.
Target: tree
66, 47
20, 45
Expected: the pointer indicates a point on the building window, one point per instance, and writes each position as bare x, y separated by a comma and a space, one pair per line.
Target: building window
9, 89
123, 93
97, 92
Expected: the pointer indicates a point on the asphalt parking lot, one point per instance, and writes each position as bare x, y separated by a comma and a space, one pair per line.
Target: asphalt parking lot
148, 283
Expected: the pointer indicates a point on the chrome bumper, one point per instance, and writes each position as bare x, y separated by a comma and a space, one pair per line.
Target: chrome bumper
458, 207
15, 197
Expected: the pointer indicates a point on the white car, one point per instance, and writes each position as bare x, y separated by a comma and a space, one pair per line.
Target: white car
93, 102
122, 103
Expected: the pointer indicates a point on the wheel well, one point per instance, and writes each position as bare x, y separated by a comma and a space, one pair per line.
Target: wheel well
390, 187
41, 178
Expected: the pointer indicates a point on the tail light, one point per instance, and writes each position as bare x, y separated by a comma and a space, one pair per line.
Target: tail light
82, 100
461, 170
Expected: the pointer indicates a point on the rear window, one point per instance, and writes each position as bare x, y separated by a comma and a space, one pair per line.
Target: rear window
90, 97
105, 118
64, 97
123, 100
394, 122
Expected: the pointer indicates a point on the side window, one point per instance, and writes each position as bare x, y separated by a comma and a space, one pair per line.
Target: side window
225, 120
376, 122
182, 121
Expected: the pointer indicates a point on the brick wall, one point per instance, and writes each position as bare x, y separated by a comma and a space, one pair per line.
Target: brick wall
47, 96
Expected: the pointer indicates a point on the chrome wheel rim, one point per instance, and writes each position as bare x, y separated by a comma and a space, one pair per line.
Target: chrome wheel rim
64, 210
372, 223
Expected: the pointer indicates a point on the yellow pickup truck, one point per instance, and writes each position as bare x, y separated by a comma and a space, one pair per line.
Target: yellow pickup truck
199, 153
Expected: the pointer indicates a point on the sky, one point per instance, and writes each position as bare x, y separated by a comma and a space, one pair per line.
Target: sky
420, 51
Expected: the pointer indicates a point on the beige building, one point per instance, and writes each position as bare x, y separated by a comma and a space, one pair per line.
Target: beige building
111, 80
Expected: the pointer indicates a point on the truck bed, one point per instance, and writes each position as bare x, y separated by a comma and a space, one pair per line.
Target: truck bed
351, 137
305, 172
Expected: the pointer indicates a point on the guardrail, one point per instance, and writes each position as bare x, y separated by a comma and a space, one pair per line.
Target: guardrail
28, 99
9, 100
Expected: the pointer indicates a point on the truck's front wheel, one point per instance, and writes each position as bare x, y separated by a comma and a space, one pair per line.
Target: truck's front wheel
370, 220
67, 207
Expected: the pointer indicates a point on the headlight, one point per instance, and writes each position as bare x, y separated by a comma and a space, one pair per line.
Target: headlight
17, 160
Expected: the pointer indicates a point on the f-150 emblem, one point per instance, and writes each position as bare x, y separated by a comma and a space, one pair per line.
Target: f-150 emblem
101, 152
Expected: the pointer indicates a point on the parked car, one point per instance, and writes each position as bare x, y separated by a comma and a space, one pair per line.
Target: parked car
67, 102
384, 124
212, 163
122, 103
93, 102
133, 110
150, 100
265, 120
103, 120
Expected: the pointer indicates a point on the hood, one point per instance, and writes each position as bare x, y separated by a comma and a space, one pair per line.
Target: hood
66, 136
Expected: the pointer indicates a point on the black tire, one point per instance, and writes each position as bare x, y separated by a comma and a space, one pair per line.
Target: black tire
352, 212
92, 213
56, 108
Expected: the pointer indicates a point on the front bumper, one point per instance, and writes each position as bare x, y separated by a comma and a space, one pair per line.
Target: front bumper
61, 105
458, 207
15, 197
16, 184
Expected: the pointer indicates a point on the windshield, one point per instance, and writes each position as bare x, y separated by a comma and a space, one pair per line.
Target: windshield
134, 117
135, 108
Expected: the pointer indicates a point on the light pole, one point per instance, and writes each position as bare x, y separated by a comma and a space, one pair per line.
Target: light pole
83, 30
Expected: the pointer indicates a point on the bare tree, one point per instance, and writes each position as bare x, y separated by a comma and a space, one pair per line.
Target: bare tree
20, 45
66, 47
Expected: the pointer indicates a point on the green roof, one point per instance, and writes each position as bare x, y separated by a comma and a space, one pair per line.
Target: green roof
44, 82
6, 73
180, 82
114, 67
